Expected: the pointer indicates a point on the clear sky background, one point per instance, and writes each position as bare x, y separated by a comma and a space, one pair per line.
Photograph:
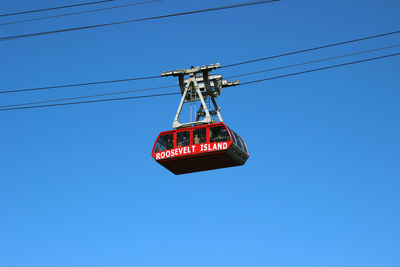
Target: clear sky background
78, 186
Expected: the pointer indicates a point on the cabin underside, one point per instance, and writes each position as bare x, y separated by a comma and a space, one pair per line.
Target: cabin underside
229, 158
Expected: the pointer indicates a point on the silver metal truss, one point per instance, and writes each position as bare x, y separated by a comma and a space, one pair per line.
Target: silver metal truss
200, 87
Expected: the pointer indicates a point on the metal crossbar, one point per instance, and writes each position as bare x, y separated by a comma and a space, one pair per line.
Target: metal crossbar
201, 87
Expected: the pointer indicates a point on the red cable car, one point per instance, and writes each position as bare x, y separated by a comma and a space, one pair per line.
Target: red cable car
200, 148
204, 144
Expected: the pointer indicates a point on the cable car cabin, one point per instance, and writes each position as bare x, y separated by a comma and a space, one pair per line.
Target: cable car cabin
200, 148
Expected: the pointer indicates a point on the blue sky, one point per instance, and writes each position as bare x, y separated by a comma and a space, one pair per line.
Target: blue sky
78, 186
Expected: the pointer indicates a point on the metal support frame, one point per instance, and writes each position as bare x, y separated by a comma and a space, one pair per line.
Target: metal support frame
199, 86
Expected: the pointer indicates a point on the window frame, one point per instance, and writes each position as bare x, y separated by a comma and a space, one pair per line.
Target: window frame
190, 137
206, 139
220, 126
158, 139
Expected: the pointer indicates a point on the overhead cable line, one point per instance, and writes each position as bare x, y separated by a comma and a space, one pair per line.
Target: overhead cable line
138, 20
241, 63
55, 8
314, 61
318, 69
79, 84
88, 96
79, 12
169, 86
312, 49
244, 83
91, 101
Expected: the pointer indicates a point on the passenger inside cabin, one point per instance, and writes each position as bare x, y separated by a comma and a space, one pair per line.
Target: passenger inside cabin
170, 143
196, 139
219, 134
199, 136
164, 142
185, 141
182, 138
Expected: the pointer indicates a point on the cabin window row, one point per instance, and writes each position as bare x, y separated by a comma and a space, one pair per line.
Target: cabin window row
192, 137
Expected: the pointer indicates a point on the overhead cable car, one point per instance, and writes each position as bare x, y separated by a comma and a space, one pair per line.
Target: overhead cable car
202, 144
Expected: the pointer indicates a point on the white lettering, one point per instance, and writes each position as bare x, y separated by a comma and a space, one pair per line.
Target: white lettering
191, 149
225, 145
